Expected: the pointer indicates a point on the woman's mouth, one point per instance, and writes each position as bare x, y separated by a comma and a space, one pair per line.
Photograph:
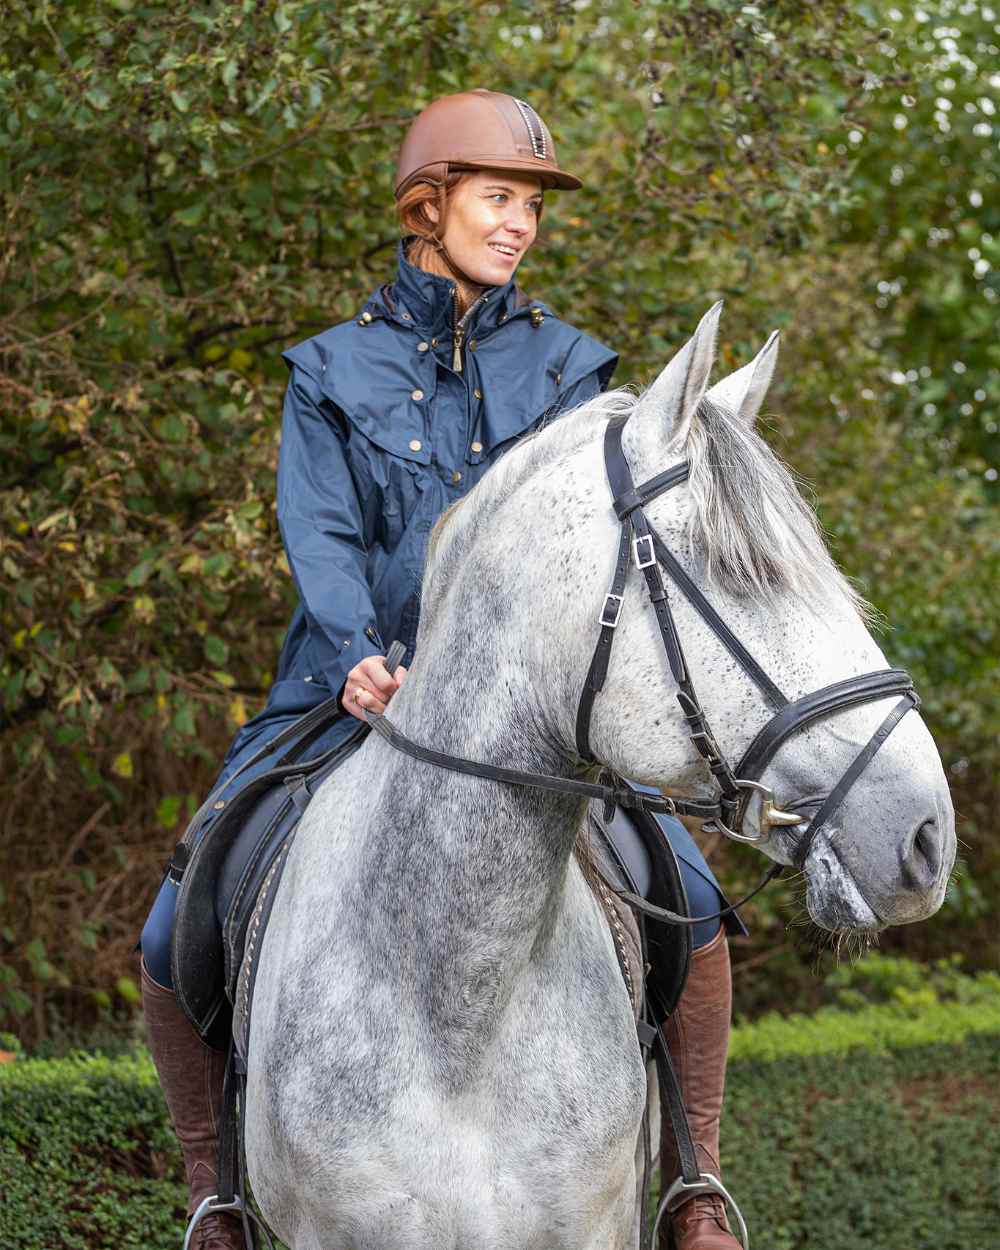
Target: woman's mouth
503, 249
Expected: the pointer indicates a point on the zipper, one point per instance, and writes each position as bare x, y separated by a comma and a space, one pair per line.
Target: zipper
457, 333
458, 330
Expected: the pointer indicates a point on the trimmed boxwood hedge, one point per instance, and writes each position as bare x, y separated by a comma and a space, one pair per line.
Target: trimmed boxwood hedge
877, 1128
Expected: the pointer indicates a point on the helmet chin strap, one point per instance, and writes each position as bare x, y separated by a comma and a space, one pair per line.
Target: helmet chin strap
457, 270
437, 242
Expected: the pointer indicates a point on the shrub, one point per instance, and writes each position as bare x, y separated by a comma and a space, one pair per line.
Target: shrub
876, 1127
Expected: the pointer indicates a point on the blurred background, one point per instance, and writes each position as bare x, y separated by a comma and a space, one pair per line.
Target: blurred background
187, 190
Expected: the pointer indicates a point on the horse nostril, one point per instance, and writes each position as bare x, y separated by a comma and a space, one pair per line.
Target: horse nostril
922, 862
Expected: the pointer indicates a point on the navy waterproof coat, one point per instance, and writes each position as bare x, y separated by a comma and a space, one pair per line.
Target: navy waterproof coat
384, 427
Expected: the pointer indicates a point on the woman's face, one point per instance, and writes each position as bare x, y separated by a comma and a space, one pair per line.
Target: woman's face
492, 220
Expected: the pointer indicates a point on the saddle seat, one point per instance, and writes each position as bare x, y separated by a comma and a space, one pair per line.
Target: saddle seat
230, 863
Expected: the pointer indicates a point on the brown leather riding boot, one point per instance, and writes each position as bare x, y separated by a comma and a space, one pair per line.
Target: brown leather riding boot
698, 1037
191, 1075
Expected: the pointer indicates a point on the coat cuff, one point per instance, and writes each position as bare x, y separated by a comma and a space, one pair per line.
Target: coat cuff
353, 649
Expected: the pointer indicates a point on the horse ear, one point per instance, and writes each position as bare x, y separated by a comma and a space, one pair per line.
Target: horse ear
743, 391
676, 393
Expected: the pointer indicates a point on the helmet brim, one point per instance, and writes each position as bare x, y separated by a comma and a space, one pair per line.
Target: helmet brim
551, 179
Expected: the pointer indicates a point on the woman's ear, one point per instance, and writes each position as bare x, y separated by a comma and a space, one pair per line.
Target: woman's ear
431, 209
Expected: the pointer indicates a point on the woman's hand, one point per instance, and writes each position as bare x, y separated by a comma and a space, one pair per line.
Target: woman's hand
369, 686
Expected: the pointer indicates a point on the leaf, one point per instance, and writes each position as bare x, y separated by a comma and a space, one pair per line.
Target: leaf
122, 766
49, 521
216, 651
140, 573
238, 711
127, 989
180, 101
191, 215
145, 608
99, 97
171, 428
217, 565
168, 810
183, 720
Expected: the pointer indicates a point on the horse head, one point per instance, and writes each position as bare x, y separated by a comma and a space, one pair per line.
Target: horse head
743, 533
748, 539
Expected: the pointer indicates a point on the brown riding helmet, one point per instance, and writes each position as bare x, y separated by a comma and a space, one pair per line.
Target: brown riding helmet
479, 130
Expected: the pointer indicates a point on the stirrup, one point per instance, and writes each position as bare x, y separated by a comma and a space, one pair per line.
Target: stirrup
211, 1205
681, 1190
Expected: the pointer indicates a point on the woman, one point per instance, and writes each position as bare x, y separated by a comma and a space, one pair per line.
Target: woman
388, 420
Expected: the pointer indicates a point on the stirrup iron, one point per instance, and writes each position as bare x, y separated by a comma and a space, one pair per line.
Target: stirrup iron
681, 1190
211, 1205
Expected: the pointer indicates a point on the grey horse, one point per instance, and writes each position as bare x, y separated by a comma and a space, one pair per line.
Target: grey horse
442, 1053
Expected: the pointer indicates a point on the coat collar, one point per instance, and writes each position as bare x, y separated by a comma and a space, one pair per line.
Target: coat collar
425, 301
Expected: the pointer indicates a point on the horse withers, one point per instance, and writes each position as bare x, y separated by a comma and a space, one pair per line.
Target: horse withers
442, 1053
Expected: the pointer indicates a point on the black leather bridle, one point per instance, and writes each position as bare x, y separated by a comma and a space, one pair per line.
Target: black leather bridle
736, 785
640, 544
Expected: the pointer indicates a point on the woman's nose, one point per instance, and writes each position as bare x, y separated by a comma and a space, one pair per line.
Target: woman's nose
519, 222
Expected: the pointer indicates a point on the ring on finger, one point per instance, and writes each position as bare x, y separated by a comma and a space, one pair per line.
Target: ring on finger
357, 695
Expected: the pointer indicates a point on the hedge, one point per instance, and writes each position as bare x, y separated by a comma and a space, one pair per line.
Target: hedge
877, 1128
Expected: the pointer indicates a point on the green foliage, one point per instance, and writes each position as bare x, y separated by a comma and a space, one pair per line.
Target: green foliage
188, 190
914, 1017
826, 1146
877, 1150
87, 1156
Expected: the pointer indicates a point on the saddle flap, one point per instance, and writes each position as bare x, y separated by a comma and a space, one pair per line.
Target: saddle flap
640, 856
219, 886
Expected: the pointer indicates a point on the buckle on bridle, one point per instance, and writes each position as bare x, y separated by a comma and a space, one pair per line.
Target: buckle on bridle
640, 561
613, 608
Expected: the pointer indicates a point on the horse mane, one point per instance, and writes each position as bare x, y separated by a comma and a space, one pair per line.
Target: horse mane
749, 528
755, 534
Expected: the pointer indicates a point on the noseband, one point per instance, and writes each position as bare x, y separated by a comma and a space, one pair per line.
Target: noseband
641, 545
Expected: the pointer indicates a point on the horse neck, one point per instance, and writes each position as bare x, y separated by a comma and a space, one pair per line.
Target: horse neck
508, 846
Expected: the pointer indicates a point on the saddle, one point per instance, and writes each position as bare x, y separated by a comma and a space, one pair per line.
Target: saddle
229, 863
227, 867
